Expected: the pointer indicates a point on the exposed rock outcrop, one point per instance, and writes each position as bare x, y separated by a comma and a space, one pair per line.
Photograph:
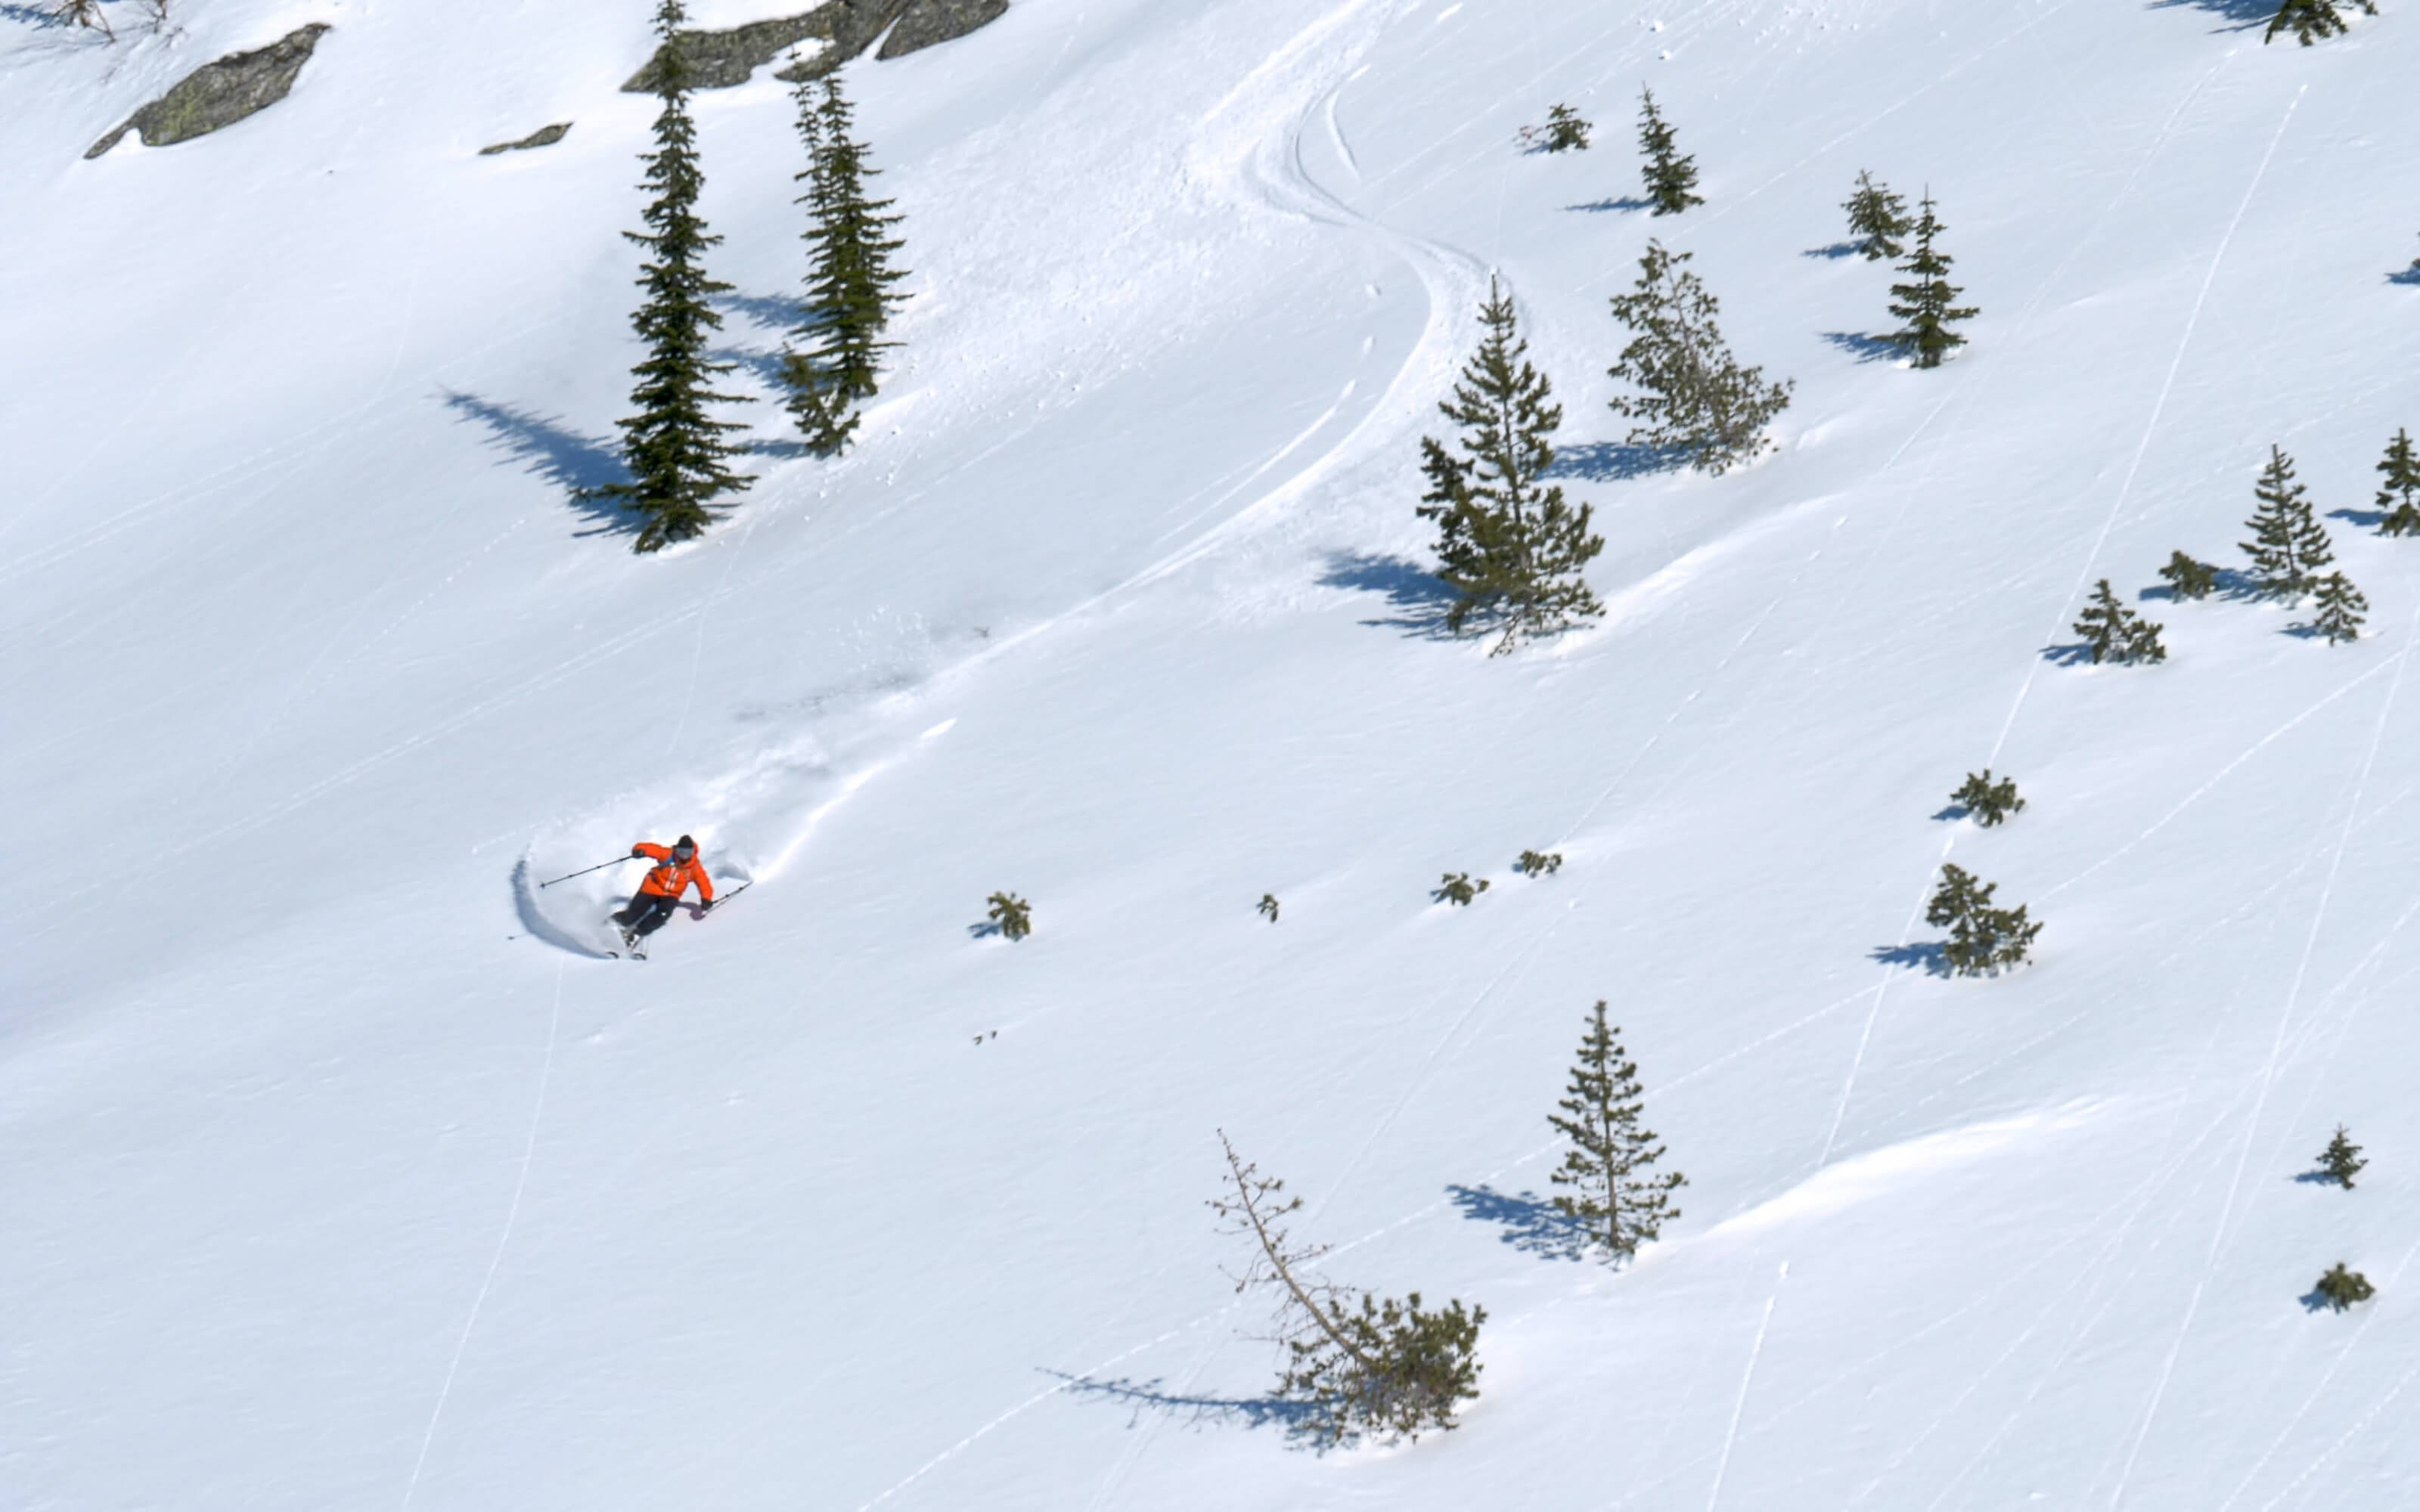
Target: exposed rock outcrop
219, 94
846, 28
545, 136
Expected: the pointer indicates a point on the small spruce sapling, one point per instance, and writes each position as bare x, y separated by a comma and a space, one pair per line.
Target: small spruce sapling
1009, 915
1878, 219
1927, 300
1991, 803
1539, 863
2338, 609
2398, 497
2312, 20
2341, 1160
1613, 1194
1694, 396
1458, 890
1507, 543
1357, 1365
2340, 1288
1564, 131
1267, 906
2112, 632
1671, 179
2289, 544
1983, 940
2187, 579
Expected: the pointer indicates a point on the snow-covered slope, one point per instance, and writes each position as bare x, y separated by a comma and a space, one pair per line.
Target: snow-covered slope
333, 1180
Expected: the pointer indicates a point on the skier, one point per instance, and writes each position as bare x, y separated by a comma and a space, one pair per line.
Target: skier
660, 891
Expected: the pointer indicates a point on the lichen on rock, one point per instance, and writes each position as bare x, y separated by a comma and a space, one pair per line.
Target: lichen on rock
219, 94
545, 136
845, 28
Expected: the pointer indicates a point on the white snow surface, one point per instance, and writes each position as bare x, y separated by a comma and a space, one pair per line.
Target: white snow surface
341, 1174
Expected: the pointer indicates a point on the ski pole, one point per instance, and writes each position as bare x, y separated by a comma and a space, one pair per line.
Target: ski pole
735, 892
599, 867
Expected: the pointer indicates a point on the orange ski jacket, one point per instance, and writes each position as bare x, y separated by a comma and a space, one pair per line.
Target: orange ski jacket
671, 878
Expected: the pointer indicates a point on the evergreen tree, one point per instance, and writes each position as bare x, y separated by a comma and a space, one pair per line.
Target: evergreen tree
674, 449
2340, 1288
1877, 218
1564, 130
1612, 1193
2187, 578
2311, 20
2339, 611
1694, 396
2399, 496
1983, 940
1507, 541
2289, 544
2341, 1160
1925, 301
1991, 803
2113, 632
1009, 916
849, 277
1671, 179
1357, 1364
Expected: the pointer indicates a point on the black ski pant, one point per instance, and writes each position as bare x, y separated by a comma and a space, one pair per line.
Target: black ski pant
647, 913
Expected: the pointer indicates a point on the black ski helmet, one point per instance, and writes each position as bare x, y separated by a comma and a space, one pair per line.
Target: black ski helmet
684, 847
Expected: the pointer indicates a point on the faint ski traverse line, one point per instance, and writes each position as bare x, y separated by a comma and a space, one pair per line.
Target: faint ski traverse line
2276, 1048
2346, 1437
496, 1260
2312, 1399
2225, 772
1026, 1406
2159, 412
1747, 1379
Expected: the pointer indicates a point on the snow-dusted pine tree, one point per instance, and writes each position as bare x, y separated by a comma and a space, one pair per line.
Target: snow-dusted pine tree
2398, 497
674, 449
2289, 544
1983, 940
1671, 179
1877, 218
2338, 609
1694, 396
1927, 300
2112, 632
1357, 1364
1991, 803
849, 278
2187, 578
2311, 20
1613, 1195
2341, 1160
1507, 543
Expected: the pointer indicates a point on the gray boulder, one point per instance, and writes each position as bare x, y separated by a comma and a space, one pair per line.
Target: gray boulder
218, 95
724, 59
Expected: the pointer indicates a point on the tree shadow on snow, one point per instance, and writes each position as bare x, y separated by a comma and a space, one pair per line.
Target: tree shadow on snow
778, 313
2075, 654
1863, 347
1929, 958
1531, 1224
2244, 13
1419, 597
1837, 251
1614, 461
1198, 1410
2369, 519
1604, 205
577, 463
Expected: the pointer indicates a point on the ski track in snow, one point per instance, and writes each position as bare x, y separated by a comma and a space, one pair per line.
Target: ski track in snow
2221, 1231
503, 1239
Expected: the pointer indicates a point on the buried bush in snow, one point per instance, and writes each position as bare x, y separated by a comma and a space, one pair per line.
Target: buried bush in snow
2113, 632
1989, 802
1539, 863
1983, 940
2340, 1288
1877, 219
1458, 890
2187, 579
1009, 915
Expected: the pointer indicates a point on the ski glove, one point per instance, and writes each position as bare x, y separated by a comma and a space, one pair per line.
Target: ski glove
637, 854
704, 909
